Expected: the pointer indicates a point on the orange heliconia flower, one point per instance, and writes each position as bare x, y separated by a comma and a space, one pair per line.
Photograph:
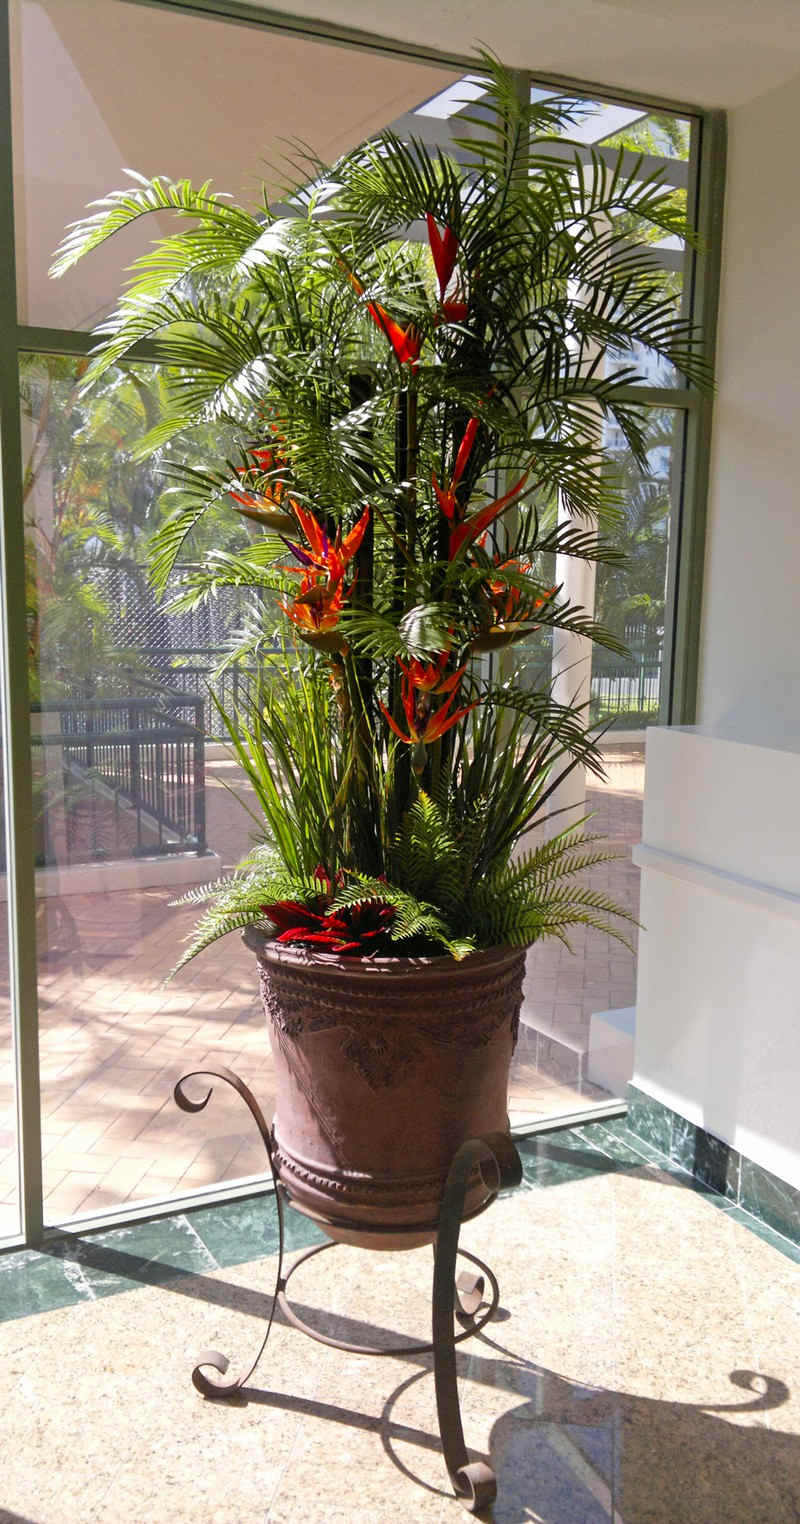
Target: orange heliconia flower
429, 677
406, 342
317, 607
424, 724
267, 506
512, 603
323, 563
320, 553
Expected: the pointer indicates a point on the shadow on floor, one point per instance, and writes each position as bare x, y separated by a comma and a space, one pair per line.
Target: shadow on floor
569, 1453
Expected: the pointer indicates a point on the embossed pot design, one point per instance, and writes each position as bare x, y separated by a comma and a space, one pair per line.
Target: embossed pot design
383, 1069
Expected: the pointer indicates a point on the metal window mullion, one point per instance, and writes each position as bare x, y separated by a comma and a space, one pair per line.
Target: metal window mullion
16, 703
77, 342
688, 561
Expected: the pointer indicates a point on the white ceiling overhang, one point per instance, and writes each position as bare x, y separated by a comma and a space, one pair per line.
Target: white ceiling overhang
709, 53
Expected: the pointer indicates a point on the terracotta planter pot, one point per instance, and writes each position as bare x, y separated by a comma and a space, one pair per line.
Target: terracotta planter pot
383, 1069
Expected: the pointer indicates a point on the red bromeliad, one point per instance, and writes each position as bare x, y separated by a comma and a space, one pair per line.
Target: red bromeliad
358, 929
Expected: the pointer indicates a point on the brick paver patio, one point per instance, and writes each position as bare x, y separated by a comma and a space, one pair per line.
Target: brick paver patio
114, 1041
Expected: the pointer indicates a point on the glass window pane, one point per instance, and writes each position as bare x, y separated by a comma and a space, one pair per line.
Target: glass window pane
631, 599
578, 1019
665, 141
128, 793
200, 98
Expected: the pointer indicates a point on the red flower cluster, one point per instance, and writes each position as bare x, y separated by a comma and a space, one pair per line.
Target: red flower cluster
407, 342
356, 929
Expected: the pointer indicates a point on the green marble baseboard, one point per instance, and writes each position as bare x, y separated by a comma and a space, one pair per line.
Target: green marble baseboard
716, 1164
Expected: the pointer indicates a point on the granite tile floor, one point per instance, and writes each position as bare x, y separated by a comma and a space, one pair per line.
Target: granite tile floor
114, 1040
643, 1367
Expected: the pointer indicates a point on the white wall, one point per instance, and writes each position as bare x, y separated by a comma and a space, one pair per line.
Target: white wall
750, 643
718, 1008
718, 995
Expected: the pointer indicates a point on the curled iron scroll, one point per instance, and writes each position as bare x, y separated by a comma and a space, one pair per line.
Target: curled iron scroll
211, 1358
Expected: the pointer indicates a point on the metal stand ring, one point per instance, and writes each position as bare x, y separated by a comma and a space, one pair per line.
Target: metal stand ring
474, 1326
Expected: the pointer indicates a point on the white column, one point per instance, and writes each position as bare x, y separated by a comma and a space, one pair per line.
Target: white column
572, 654
572, 671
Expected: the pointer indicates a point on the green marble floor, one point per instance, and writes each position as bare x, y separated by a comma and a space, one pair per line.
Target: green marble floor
83, 1267
643, 1366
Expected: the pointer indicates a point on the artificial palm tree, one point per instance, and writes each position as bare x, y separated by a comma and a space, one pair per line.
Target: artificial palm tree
415, 369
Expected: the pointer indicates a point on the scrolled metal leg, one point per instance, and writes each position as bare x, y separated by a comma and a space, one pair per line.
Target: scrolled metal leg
474, 1482
211, 1358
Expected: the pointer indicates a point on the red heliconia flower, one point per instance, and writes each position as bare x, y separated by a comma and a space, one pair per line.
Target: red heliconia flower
464, 531
406, 342
444, 248
470, 528
424, 725
447, 495
455, 311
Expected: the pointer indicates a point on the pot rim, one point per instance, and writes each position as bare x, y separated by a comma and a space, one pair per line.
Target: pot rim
296, 955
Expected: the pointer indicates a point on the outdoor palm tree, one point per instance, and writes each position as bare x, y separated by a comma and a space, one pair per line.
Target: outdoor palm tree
415, 367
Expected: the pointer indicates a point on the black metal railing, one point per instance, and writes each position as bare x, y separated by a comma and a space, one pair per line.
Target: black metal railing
197, 670
119, 777
629, 685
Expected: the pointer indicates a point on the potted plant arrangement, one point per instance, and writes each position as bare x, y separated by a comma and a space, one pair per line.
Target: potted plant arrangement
410, 375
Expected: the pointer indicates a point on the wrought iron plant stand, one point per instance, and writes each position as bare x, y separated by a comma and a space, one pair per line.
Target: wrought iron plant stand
463, 1298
